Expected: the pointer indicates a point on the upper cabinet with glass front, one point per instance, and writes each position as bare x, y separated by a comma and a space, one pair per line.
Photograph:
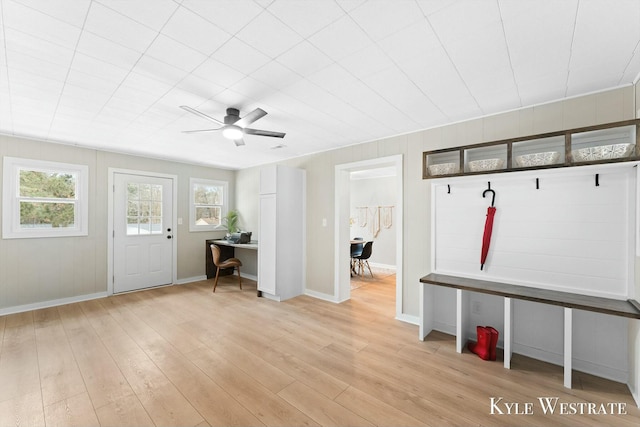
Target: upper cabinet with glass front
614, 142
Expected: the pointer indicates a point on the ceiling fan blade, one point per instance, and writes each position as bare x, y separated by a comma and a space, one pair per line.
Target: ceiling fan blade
251, 117
200, 130
264, 133
198, 113
239, 142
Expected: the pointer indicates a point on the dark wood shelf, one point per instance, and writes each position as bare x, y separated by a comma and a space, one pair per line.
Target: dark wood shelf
615, 307
508, 143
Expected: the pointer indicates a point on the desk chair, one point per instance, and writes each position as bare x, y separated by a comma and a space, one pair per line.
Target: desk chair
363, 258
227, 263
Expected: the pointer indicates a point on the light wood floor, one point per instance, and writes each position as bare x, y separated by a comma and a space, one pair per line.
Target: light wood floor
183, 356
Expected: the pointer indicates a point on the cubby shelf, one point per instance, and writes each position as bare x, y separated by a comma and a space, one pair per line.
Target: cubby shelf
606, 143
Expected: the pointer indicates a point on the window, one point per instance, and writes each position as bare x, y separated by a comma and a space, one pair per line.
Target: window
44, 199
208, 204
144, 208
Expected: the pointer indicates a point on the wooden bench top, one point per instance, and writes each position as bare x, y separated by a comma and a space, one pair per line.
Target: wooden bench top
624, 308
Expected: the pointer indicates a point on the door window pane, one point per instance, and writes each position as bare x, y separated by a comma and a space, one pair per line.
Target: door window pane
144, 209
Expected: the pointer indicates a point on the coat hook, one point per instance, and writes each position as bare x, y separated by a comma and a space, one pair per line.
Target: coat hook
448, 189
597, 180
493, 193
537, 183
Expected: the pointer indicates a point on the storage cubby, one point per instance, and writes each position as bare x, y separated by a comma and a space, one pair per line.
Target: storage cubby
486, 159
539, 152
444, 163
612, 142
604, 144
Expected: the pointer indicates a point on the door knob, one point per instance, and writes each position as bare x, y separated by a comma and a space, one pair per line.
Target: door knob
169, 236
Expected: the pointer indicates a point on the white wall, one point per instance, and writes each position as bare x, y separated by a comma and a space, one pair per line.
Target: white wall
604, 107
34, 271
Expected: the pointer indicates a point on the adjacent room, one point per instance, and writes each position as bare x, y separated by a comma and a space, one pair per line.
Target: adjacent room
319, 212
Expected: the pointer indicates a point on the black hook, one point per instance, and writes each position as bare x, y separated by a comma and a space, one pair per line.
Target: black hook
493, 197
537, 184
448, 189
597, 180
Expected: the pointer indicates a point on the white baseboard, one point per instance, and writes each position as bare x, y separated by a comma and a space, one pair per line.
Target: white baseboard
444, 328
407, 318
50, 303
249, 276
190, 280
322, 296
385, 266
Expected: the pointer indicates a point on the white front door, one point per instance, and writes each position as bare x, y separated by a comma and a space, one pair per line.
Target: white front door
143, 232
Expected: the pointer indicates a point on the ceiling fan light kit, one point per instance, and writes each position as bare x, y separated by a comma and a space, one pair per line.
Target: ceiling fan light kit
232, 132
233, 126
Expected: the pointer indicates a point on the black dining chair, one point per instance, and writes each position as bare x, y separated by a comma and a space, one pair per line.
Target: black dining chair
356, 250
363, 258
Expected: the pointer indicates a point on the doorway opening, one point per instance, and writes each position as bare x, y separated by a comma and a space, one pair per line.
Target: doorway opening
380, 214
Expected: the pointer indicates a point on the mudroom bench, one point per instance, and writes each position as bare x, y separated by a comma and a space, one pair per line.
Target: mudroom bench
570, 301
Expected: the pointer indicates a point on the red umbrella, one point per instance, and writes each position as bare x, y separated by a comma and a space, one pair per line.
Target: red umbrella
488, 228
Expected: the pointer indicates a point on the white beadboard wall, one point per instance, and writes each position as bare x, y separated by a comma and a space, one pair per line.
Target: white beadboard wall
569, 235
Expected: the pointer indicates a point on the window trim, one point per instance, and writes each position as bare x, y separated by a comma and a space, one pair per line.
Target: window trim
11, 201
193, 227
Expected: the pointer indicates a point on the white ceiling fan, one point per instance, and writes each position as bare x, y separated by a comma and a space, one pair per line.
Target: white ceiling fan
234, 127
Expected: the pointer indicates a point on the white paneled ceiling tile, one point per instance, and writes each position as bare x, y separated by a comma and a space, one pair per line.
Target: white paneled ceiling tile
535, 91
176, 54
304, 59
17, 61
92, 83
240, 56
152, 14
230, 15
118, 28
196, 85
36, 47
195, 31
218, 73
70, 11
366, 62
97, 68
429, 7
177, 97
398, 90
409, 42
267, 34
333, 78
381, 19
276, 75
464, 19
252, 88
41, 25
349, 5
148, 87
159, 70
340, 39
435, 75
306, 17
107, 51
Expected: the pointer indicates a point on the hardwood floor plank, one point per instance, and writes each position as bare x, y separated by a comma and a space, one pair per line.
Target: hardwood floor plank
102, 377
374, 410
124, 412
324, 411
23, 410
182, 355
265, 405
72, 411
19, 371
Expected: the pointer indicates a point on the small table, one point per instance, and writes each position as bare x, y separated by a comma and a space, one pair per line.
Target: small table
226, 251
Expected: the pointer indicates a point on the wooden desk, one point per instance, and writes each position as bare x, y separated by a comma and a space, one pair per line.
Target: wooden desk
226, 251
624, 308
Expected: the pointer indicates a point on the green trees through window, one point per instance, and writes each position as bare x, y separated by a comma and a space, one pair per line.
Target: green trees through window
47, 199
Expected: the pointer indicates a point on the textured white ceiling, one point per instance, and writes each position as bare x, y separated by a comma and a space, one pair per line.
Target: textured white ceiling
111, 74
